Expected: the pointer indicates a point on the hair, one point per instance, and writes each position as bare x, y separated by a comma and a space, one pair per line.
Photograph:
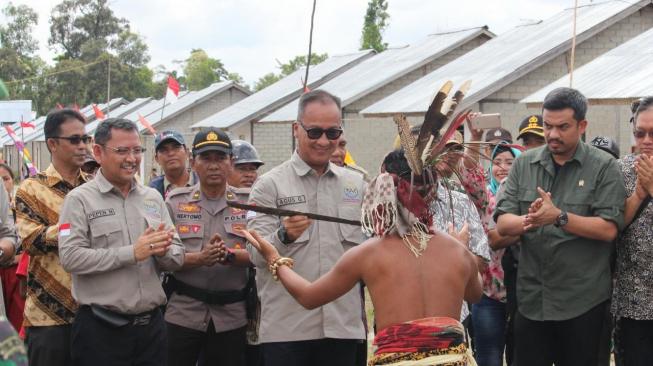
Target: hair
316, 96
640, 105
8, 169
562, 98
103, 131
54, 120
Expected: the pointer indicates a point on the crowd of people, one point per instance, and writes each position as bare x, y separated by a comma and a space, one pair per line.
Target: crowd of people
533, 251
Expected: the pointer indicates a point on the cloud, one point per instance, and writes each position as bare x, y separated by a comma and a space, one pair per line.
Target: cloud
250, 35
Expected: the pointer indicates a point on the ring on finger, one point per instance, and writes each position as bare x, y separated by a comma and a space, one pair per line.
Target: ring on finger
151, 246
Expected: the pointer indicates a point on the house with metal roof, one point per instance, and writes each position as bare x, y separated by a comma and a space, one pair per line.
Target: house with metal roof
611, 83
366, 83
34, 140
519, 62
238, 118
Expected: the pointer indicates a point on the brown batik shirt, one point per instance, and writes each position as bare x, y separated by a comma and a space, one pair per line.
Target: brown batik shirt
38, 203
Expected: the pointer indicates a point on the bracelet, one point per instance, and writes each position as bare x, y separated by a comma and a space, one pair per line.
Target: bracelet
278, 262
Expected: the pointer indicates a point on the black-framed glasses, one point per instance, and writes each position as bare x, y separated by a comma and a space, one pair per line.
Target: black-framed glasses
315, 133
124, 151
640, 134
75, 139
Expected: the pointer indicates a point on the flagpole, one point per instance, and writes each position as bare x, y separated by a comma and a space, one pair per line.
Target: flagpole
21, 154
108, 86
164, 103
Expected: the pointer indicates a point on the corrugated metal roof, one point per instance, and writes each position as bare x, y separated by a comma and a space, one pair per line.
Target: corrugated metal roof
119, 112
381, 69
507, 57
37, 134
622, 73
189, 101
282, 91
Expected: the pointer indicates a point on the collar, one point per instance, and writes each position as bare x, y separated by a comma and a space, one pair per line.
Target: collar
53, 177
197, 196
303, 169
105, 186
544, 157
191, 181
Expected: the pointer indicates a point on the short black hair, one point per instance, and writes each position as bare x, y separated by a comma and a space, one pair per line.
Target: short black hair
103, 131
314, 96
563, 98
54, 120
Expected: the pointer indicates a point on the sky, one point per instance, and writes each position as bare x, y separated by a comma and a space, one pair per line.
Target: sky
250, 36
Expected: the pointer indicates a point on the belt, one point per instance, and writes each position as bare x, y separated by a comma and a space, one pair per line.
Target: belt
206, 296
116, 319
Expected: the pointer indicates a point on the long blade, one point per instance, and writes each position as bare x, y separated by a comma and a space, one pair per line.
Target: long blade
434, 119
281, 212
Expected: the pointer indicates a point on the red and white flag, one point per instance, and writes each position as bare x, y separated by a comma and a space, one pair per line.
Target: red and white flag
172, 93
64, 229
146, 124
98, 112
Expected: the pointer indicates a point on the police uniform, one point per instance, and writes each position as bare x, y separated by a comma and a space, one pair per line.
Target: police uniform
119, 317
207, 305
286, 326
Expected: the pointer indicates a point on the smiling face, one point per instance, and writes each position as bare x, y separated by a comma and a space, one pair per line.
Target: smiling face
501, 165
65, 151
117, 167
317, 152
338, 156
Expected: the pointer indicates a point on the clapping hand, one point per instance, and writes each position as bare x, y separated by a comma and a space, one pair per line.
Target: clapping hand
542, 212
644, 169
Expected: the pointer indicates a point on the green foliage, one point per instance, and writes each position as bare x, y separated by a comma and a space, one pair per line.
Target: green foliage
287, 68
375, 23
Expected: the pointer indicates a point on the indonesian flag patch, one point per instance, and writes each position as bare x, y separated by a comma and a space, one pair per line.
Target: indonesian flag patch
64, 229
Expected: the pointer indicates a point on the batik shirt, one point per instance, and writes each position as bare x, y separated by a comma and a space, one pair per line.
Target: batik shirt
38, 201
633, 288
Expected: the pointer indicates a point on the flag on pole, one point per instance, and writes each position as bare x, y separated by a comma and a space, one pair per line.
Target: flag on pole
146, 124
172, 93
99, 115
27, 125
4, 93
21, 148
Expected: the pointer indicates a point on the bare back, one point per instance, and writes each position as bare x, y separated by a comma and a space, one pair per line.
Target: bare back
405, 288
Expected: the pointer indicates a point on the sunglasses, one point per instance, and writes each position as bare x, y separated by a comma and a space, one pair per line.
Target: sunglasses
75, 139
316, 132
639, 134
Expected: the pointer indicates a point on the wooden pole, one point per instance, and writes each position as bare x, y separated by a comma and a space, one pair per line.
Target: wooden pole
573, 47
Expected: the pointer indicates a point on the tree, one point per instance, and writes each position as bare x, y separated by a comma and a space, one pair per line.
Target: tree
200, 71
17, 33
288, 68
376, 21
98, 45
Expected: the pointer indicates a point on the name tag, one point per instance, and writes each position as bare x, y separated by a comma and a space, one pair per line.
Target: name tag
284, 201
184, 216
101, 213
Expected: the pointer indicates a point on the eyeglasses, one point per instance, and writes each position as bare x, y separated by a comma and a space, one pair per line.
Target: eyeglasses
316, 132
75, 139
640, 134
124, 151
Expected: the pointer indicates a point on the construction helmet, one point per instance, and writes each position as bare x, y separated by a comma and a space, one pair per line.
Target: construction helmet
244, 153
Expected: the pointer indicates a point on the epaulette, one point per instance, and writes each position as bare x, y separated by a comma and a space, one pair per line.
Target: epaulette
180, 191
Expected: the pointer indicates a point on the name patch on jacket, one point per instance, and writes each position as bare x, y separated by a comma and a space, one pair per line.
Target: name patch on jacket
189, 207
284, 201
101, 213
185, 216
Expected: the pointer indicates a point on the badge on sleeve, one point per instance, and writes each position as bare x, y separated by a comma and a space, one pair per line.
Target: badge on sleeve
64, 229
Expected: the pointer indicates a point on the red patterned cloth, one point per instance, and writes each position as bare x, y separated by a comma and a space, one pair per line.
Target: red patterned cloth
420, 335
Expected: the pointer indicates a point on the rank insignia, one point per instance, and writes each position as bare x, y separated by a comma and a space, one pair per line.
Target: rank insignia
183, 229
189, 207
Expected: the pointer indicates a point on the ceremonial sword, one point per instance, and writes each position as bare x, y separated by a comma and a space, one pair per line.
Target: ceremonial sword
281, 212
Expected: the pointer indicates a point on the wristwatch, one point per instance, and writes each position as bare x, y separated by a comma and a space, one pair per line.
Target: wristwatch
562, 219
283, 235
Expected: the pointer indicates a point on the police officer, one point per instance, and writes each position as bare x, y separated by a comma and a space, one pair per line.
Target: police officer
246, 164
115, 236
206, 313
171, 154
